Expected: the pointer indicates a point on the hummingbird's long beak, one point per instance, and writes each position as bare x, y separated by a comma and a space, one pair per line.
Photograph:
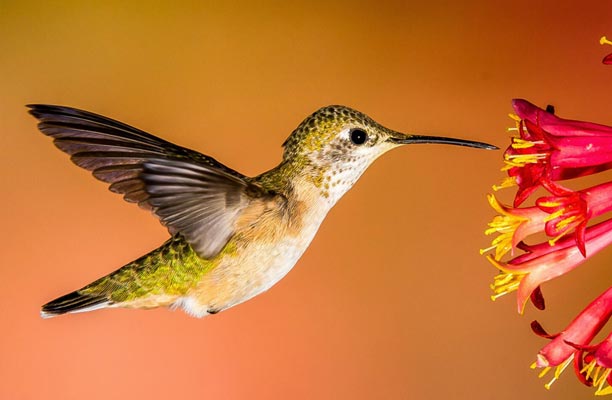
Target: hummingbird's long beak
400, 138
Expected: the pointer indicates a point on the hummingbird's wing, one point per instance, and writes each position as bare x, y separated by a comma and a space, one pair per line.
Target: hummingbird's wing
191, 193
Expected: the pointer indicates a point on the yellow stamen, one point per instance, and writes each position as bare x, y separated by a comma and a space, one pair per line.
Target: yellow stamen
566, 222
559, 370
497, 296
549, 204
505, 283
522, 144
554, 215
588, 369
561, 225
516, 117
604, 40
601, 391
518, 143
505, 225
599, 376
520, 160
504, 278
553, 241
544, 372
506, 183
486, 250
596, 376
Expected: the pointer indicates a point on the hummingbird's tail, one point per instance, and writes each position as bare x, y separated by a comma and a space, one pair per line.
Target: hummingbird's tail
74, 302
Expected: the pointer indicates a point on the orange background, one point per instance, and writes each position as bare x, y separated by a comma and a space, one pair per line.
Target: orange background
391, 299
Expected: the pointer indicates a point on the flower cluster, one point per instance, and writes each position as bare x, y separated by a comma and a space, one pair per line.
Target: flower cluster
544, 151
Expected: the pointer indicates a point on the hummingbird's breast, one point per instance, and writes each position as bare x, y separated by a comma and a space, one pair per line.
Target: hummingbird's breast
257, 257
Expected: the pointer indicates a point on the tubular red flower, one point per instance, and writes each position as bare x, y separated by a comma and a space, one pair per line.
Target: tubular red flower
593, 365
572, 343
543, 262
550, 148
571, 211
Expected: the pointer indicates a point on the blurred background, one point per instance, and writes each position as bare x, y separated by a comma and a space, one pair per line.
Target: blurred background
391, 300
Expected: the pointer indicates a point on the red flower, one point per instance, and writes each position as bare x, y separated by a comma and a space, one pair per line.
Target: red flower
547, 150
591, 363
542, 262
550, 149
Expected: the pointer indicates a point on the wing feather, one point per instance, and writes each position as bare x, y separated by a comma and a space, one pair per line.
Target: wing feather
192, 194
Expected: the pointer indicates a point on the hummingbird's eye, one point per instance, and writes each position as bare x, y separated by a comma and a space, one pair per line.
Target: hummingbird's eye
358, 136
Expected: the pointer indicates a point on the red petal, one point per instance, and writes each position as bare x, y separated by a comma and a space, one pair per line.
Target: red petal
607, 59
581, 238
540, 331
538, 299
578, 365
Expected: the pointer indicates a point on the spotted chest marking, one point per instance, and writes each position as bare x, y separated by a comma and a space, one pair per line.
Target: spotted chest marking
341, 163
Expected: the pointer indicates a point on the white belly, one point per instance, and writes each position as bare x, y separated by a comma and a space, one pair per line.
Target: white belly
251, 271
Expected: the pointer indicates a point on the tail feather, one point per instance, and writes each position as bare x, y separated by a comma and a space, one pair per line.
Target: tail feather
74, 302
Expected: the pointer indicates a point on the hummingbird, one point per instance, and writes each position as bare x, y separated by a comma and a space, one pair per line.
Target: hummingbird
232, 237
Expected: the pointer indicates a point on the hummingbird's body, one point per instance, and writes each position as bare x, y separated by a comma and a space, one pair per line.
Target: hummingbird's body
233, 237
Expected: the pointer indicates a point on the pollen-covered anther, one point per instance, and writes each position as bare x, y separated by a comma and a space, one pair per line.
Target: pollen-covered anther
598, 375
505, 283
515, 117
604, 40
518, 143
519, 160
506, 183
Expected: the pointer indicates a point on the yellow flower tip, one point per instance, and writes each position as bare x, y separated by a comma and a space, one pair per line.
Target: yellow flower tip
604, 40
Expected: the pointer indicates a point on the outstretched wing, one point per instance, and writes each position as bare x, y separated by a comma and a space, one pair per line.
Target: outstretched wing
191, 193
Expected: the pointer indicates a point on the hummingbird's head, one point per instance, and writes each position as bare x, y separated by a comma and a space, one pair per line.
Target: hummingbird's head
340, 143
